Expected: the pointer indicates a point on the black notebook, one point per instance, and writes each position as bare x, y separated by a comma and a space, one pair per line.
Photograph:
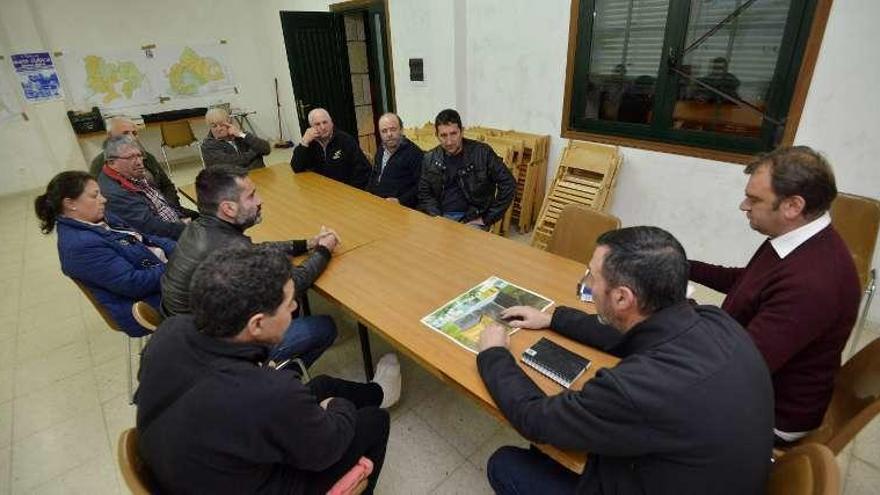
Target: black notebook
555, 362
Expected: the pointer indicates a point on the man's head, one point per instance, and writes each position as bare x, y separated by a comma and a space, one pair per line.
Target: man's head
218, 121
123, 154
448, 128
320, 121
787, 188
719, 65
227, 193
243, 293
391, 131
635, 272
122, 126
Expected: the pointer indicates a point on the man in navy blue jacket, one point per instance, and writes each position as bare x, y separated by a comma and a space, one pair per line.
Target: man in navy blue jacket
398, 164
688, 409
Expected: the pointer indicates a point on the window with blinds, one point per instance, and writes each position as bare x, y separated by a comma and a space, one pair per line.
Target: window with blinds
716, 74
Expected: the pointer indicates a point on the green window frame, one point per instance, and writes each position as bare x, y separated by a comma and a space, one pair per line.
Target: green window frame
798, 47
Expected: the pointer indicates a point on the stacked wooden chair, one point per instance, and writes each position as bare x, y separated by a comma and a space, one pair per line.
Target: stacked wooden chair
586, 176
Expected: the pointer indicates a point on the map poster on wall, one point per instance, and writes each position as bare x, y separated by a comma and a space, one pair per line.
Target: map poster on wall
36, 72
109, 79
192, 70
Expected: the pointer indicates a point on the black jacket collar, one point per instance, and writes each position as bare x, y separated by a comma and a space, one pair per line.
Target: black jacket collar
662, 326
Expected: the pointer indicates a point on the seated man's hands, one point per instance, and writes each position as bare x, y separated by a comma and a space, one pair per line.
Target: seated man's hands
393, 200
309, 136
494, 335
526, 317
326, 402
477, 221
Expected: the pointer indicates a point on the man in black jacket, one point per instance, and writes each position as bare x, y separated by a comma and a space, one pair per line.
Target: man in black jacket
398, 163
226, 144
132, 196
230, 204
214, 418
688, 409
330, 152
464, 180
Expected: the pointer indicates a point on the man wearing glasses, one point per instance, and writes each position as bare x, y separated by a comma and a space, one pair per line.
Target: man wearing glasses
120, 126
132, 197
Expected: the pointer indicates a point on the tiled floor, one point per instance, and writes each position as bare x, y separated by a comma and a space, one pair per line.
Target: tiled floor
63, 398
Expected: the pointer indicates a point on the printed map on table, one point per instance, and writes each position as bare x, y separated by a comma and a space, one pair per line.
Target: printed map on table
465, 317
110, 80
193, 70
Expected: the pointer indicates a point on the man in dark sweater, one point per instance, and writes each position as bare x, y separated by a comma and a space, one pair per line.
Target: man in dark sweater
213, 417
330, 152
688, 409
226, 144
398, 164
799, 294
230, 204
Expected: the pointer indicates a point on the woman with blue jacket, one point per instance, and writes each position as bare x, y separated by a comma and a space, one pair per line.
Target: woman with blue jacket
116, 263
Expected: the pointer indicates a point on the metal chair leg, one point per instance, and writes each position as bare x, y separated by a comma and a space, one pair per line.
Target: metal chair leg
130, 371
165, 157
365, 350
303, 370
870, 288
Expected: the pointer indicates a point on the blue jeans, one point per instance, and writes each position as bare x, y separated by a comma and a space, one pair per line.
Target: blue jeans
514, 471
306, 338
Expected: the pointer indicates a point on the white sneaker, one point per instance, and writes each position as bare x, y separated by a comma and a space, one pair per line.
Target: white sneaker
388, 377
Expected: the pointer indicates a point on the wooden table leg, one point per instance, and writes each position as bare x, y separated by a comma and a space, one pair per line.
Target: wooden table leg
364, 334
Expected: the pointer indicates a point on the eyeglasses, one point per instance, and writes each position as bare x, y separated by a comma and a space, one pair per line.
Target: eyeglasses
137, 156
584, 292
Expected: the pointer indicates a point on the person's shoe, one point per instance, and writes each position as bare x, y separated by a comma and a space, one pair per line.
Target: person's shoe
388, 377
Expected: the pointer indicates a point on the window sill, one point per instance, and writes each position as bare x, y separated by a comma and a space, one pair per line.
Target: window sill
674, 149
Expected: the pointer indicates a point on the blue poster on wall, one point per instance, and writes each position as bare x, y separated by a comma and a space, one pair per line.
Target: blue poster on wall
38, 77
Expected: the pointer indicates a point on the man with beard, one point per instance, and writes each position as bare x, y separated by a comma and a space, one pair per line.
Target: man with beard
688, 409
398, 163
229, 205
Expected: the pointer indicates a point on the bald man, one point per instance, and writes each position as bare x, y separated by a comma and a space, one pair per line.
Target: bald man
398, 164
155, 174
330, 152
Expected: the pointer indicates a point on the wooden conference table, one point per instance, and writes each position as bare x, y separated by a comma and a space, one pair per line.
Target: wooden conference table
396, 265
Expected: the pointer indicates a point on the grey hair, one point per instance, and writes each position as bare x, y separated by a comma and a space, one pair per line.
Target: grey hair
114, 145
216, 115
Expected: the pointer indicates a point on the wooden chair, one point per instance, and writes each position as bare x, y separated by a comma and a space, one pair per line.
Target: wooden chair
854, 403
806, 470
857, 220
137, 476
146, 315
586, 176
110, 322
177, 134
132, 467
576, 232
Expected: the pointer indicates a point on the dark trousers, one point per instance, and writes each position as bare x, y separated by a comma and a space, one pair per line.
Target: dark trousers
370, 432
514, 471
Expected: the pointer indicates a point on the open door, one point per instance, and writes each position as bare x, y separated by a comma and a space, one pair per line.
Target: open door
318, 60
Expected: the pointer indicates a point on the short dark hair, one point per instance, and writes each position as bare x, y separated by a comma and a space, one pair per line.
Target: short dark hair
799, 171
447, 117
235, 283
648, 260
217, 184
49, 205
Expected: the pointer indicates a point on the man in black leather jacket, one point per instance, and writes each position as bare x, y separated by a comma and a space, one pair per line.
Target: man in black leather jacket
229, 205
464, 180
